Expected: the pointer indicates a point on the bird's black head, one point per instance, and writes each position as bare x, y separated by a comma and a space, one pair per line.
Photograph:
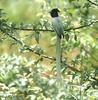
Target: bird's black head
54, 12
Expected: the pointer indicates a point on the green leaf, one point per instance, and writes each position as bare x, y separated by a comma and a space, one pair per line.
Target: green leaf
37, 36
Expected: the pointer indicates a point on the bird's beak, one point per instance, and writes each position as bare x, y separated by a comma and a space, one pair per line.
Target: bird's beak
58, 10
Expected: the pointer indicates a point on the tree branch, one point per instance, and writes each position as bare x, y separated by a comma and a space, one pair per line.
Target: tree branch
30, 49
50, 30
92, 2
29, 29
45, 56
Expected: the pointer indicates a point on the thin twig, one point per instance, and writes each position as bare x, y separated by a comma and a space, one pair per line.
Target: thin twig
93, 3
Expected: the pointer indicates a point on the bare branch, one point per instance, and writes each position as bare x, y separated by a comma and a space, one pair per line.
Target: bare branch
92, 2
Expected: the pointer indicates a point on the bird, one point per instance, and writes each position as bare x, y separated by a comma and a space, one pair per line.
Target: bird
56, 22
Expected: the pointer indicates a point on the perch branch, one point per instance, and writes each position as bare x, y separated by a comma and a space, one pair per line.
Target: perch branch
50, 30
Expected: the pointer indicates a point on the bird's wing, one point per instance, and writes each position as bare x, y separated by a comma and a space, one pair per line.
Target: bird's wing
58, 27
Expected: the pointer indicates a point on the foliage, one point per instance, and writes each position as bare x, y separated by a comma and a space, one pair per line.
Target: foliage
22, 78
27, 78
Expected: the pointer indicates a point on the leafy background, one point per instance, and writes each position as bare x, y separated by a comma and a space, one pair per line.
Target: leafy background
27, 50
